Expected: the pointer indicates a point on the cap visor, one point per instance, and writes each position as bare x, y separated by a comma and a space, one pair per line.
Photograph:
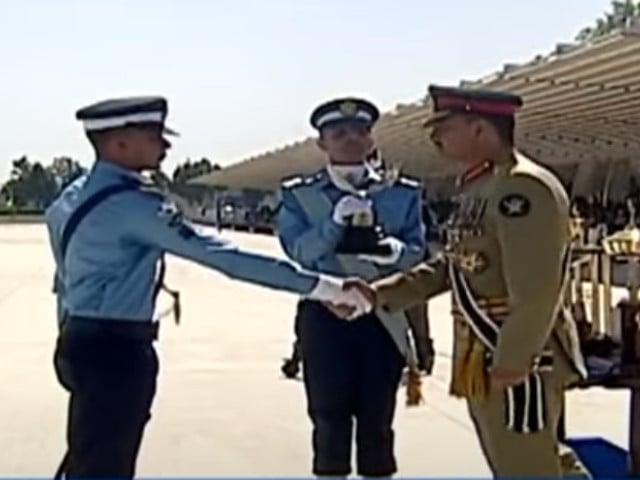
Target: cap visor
170, 131
346, 121
436, 117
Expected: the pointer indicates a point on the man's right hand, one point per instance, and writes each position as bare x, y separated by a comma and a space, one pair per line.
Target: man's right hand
350, 303
360, 289
363, 288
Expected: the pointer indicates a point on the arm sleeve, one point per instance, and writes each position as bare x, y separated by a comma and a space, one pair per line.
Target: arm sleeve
404, 290
532, 237
152, 222
302, 242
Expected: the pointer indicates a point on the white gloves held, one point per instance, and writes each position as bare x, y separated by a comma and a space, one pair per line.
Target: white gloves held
350, 205
329, 289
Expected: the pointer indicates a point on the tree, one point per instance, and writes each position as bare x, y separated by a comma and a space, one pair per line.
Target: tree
161, 180
188, 170
42, 186
621, 15
30, 185
33, 185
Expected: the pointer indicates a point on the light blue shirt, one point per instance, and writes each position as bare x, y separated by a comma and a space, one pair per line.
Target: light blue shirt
55, 216
111, 263
311, 240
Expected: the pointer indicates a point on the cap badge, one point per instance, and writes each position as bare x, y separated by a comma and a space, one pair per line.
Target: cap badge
348, 108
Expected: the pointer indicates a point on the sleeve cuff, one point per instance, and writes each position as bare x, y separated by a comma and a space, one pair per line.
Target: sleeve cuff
388, 297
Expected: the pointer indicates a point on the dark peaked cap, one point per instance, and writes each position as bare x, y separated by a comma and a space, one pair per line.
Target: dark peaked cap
450, 100
349, 109
125, 112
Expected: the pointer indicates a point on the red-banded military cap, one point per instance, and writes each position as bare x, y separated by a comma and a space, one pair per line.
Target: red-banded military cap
448, 101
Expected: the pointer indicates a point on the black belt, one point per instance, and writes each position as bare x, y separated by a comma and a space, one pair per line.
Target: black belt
544, 362
123, 329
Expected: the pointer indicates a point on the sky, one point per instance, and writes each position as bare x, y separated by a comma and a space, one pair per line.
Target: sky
242, 76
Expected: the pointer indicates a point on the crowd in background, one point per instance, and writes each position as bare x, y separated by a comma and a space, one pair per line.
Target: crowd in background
612, 215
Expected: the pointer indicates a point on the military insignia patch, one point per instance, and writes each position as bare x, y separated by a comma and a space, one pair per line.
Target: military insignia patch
474, 262
514, 205
171, 213
348, 109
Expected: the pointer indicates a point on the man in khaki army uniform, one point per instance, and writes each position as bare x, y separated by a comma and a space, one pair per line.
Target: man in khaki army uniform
505, 263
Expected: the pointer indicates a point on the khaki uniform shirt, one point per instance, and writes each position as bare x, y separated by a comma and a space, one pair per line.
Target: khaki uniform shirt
509, 239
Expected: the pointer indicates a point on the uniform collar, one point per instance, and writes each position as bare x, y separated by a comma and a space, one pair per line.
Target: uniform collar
478, 170
371, 177
109, 168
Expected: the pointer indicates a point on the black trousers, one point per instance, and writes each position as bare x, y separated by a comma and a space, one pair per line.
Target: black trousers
111, 380
352, 371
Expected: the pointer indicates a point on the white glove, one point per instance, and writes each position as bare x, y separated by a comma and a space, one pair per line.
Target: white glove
396, 250
329, 289
349, 205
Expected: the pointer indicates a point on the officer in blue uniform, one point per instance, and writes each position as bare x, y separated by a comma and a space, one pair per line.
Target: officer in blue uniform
109, 233
291, 366
351, 370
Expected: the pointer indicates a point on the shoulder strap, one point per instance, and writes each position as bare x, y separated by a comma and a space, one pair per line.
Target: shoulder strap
86, 207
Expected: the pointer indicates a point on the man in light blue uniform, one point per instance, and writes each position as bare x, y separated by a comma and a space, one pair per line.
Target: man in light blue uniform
109, 236
351, 370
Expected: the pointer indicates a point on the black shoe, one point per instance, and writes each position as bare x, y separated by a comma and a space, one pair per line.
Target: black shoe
290, 368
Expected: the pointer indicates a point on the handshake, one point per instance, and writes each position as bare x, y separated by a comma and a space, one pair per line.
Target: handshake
346, 298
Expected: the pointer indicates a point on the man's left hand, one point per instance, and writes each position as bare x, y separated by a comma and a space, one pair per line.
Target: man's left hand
502, 378
396, 247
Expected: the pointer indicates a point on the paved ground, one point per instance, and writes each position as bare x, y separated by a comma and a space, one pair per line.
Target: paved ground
222, 408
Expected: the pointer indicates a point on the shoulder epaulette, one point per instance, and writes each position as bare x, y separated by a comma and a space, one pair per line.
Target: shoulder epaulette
300, 180
292, 182
409, 182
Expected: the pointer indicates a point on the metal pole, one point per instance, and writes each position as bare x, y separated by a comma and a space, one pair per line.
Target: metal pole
607, 326
595, 291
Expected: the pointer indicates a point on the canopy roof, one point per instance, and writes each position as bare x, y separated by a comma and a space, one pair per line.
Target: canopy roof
582, 104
